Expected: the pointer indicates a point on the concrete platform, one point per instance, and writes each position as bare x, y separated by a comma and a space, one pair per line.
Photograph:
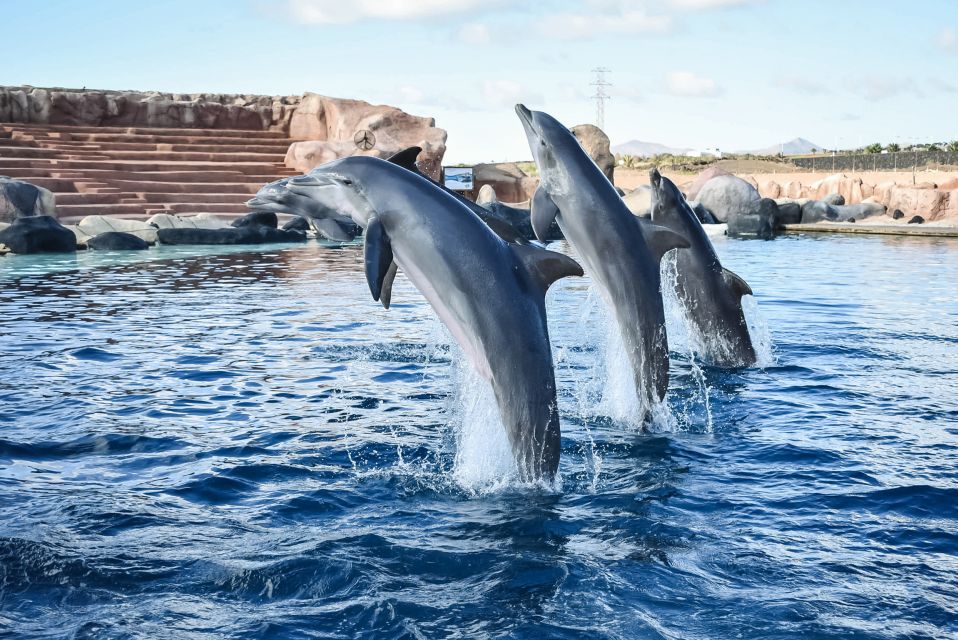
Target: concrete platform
921, 230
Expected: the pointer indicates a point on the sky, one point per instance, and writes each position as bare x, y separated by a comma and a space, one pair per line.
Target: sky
727, 74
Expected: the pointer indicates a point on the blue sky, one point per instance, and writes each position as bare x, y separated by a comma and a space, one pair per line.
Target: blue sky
731, 74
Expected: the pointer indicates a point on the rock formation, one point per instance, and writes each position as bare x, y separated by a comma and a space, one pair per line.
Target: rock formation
18, 199
726, 196
510, 183
328, 126
37, 234
596, 144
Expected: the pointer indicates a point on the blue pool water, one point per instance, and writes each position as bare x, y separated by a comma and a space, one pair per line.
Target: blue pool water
243, 444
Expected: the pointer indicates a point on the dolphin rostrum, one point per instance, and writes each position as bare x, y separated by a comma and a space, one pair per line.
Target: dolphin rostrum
711, 295
619, 251
489, 293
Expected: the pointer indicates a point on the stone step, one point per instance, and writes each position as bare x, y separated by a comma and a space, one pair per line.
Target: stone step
87, 197
210, 147
139, 167
143, 187
192, 197
55, 185
113, 138
147, 156
66, 128
202, 207
82, 210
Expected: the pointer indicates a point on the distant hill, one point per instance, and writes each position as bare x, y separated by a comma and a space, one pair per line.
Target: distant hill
646, 149
796, 147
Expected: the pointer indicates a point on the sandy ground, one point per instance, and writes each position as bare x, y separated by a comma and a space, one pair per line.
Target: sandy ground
630, 179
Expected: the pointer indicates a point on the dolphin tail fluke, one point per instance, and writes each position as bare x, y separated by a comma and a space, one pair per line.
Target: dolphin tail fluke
406, 158
546, 266
661, 239
544, 211
738, 286
378, 256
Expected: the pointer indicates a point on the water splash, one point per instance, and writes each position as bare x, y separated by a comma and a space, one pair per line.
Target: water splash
759, 332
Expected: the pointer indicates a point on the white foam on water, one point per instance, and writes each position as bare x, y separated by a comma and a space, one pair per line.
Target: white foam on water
759, 332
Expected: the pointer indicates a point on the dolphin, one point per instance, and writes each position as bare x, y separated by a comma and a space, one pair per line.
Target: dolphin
711, 295
620, 251
489, 293
276, 197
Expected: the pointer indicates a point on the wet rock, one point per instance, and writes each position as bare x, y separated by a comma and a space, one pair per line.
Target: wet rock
117, 241
38, 234
726, 196
916, 220
834, 199
19, 198
298, 223
788, 213
898, 214
760, 223
265, 218
251, 234
818, 211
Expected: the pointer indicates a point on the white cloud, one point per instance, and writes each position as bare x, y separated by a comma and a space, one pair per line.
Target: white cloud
877, 88
500, 94
475, 33
948, 40
698, 5
803, 85
687, 84
346, 11
587, 25
410, 94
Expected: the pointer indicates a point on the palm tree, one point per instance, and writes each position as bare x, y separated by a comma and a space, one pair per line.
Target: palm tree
893, 147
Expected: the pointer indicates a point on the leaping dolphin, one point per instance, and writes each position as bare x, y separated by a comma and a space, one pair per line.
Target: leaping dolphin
490, 294
620, 251
711, 295
276, 197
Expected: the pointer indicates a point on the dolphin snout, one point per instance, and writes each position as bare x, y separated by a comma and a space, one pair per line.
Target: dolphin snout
307, 180
524, 113
255, 202
655, 178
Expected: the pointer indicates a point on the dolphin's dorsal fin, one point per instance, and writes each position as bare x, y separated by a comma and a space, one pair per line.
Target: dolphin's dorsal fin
738, 286
330, 229
378, 256
661, 240
543, 212
406, 158
386, 294
546, 266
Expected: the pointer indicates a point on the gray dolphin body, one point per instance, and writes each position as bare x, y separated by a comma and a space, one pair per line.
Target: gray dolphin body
710, 294
490, 294
619, 251
278, 198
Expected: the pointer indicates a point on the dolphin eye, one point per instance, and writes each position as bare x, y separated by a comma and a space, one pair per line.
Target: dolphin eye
347, 182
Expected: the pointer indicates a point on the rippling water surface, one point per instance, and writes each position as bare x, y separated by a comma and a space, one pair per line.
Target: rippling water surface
244, 444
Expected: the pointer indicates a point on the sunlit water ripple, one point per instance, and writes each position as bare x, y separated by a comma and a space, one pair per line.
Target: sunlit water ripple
244, 444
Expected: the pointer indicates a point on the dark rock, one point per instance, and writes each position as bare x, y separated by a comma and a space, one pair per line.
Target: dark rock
19, 199
758, 224
788, 213
298, 223
916, 220
898, 215
38, 234
817, 211
704, 215
265, 218
834, 199
252, 234
726, 196
850, 220
117, 241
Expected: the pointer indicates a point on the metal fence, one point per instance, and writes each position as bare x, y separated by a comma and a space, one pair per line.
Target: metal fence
898, 161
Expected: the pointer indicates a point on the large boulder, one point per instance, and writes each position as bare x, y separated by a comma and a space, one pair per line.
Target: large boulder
327, 127
596, 144
199, 221
508, 181
38, 234
19, 198
265, 218
788, 213
818, 211
92, 226
755, 223
250, 234
834, 199
117, 241
692, 191
639, 200
726, 196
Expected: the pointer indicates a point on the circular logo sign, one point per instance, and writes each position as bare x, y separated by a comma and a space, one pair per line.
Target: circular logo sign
364, 139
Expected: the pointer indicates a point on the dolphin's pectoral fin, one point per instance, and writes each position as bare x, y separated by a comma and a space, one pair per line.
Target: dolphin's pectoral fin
738, 286
406, 158
661, 239
546, 266
386, 295
330, 229
543, 212
378, 256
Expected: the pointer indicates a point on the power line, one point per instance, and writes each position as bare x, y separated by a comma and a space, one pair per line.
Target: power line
600, 95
